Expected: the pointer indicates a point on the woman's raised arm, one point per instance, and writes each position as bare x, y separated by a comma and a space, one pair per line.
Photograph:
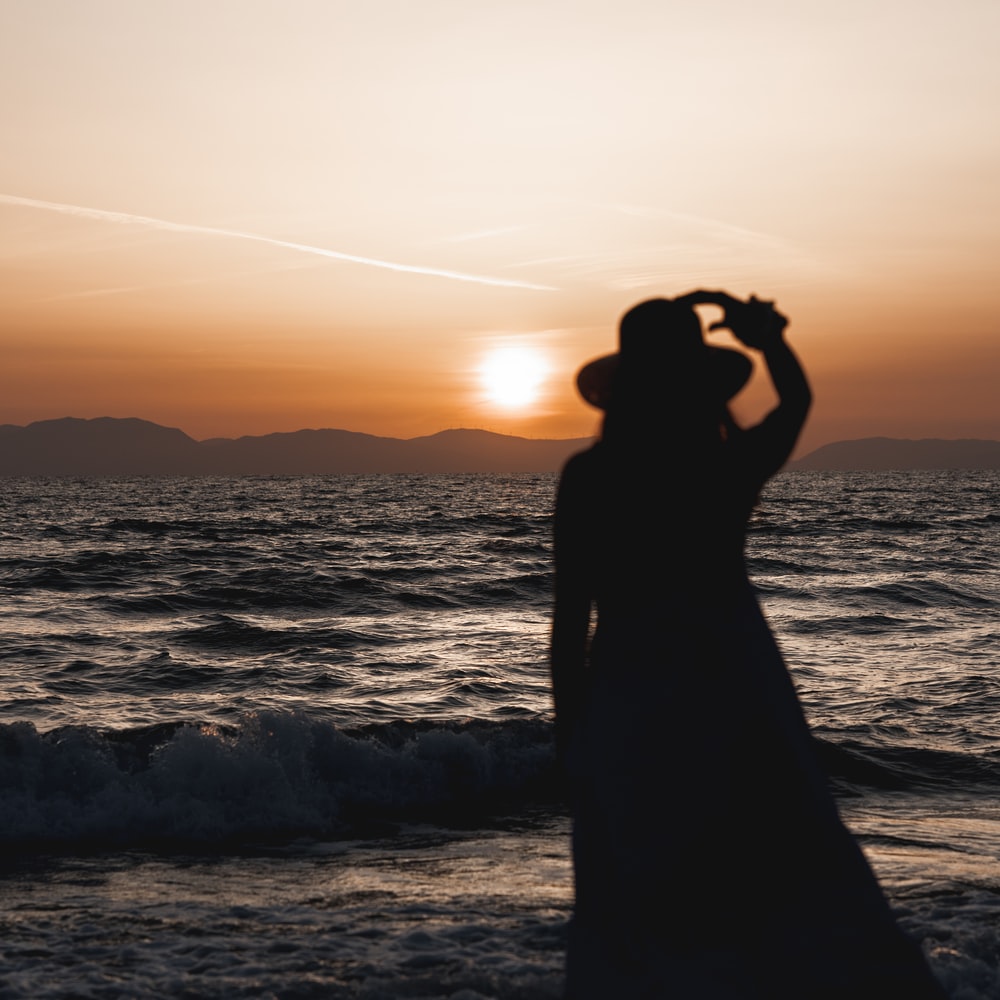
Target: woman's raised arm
759, 326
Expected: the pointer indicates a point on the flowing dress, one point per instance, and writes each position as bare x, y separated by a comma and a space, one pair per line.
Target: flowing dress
710, 861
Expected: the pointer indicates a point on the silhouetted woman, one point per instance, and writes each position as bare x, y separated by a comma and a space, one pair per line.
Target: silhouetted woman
709, 857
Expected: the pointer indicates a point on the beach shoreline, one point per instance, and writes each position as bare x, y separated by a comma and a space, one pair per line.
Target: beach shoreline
426, 913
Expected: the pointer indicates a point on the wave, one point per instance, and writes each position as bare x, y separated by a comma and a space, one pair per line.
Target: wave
275, 775
854, 767
176, 581
279, 776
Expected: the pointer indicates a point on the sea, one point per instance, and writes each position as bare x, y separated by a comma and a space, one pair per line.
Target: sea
292, 737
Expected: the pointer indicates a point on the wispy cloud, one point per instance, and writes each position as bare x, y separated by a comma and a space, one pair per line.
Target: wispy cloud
164, 225
711, 230
627, 247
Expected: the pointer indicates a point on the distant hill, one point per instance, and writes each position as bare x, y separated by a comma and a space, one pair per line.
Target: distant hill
900, 453
108, 446
105, 446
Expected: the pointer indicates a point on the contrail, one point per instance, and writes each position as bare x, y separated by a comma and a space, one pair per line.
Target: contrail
124, 218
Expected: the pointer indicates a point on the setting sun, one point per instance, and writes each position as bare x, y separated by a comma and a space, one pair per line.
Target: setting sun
512, 376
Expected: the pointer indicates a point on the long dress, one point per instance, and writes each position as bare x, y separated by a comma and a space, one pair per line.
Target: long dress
710, 861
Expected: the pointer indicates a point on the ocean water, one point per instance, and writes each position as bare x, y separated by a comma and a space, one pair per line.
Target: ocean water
291, 737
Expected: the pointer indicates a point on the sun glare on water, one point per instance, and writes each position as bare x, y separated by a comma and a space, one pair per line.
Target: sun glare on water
512, 376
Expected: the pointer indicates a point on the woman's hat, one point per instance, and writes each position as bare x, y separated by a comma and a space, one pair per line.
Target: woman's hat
665, 334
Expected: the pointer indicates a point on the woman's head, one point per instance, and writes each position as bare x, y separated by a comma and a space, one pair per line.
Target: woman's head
663, 362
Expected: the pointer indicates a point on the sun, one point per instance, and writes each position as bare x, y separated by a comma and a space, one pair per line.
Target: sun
513, 376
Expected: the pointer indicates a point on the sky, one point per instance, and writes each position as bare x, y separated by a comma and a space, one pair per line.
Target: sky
245, 216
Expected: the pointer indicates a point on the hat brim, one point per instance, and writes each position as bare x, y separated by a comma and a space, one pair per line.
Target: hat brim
729, 372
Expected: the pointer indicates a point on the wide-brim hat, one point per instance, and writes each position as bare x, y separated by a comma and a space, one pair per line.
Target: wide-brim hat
661, 339
727, 372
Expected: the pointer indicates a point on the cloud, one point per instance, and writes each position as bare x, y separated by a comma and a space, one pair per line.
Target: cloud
628, 247
164, 225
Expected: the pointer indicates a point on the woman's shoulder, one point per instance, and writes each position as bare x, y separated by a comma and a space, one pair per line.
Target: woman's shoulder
581, 471
581, 460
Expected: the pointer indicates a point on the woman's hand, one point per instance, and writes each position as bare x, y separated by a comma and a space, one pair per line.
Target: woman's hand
755, 323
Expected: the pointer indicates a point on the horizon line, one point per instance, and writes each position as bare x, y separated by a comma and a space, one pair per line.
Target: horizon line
298, 430
445, 430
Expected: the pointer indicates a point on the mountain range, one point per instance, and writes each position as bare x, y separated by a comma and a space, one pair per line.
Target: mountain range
110, 446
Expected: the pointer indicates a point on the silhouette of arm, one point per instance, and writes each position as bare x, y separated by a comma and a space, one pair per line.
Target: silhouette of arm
771, 442
758, 325
571, 616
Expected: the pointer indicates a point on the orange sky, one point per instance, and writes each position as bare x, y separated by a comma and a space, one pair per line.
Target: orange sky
239, 217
